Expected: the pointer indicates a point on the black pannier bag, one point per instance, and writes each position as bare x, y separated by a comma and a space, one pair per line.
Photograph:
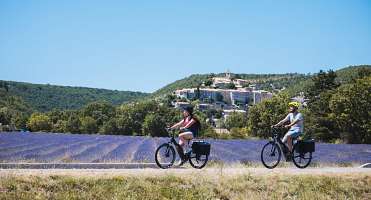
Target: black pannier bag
201, 148
305, 146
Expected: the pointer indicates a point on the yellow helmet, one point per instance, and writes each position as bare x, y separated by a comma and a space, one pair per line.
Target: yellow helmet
294, 104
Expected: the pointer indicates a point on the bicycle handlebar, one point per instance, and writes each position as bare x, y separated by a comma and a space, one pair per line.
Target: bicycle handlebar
170, 131
275, 131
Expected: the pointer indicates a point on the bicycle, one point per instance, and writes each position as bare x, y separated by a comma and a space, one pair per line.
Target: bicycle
197, 156
301, 153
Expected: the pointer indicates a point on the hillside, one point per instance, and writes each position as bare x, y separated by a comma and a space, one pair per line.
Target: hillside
343, 76
13, 109
263, 81
45, 97
293, 82
188, 82
348, 74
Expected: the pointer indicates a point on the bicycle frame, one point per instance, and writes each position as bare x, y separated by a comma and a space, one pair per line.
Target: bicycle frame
175, 143
276, 139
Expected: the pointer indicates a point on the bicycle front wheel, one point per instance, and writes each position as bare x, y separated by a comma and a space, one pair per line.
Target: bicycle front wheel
300, 159
270, 155
165, 156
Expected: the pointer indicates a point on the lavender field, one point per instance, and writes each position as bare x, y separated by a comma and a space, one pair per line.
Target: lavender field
61, 148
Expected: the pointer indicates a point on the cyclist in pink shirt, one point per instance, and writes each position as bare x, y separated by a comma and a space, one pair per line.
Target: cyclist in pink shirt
189, 127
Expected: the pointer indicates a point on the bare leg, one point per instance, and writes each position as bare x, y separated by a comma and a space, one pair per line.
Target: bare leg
181, 141
289, 143
183, 137
187, 136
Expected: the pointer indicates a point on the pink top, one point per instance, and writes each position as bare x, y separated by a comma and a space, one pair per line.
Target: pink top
186, 121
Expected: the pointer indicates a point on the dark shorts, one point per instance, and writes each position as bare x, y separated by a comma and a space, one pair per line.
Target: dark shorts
188, 130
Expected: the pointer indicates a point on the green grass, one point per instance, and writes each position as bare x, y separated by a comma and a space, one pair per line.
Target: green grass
220, 186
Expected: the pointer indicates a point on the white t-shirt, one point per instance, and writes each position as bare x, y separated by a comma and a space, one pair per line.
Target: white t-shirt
299, 125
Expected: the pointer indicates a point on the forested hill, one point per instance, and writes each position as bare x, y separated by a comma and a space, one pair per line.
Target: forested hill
294, 82
263, 81
45, 97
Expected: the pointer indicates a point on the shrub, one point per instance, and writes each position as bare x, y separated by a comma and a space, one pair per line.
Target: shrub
88, 125
39, 122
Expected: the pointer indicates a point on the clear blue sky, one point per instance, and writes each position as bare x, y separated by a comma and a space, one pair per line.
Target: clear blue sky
144, 45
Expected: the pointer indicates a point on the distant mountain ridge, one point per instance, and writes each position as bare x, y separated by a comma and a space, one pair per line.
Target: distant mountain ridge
45, 97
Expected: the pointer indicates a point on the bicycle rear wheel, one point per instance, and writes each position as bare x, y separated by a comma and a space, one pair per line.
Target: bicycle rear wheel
165, 156
300, 159
198, 161
270, 155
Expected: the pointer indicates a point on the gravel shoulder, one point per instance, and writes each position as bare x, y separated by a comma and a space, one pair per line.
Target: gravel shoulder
150, 172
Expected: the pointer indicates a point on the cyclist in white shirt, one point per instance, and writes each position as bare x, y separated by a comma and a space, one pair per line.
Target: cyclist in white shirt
296, 124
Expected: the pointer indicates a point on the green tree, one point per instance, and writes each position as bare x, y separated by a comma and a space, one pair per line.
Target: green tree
154, 125
39, 122
60, 126
265, 114
208, 82
231, 86
109, 127
319, 124
322, 82
137, 113
125, 125
73, 123
55, 115
88, 125
169, 99
364, 72
350, 107
20, 120
6, 115
236, 120
99, 111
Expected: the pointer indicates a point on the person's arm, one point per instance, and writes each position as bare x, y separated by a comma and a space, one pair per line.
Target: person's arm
287, 118
177, 125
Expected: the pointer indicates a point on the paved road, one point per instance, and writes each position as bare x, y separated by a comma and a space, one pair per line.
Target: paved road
77, 165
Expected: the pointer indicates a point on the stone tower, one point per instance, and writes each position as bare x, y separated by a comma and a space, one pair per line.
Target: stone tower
228, 74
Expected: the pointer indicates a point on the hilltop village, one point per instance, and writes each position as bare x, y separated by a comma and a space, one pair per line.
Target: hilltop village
225, 94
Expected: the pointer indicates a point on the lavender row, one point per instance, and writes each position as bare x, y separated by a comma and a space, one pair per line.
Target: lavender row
55, 147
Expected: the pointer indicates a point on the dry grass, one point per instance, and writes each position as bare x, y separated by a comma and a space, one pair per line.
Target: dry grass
282, 164
217, 183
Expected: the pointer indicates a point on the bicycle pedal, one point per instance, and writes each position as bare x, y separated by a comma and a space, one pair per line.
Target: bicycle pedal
288, 158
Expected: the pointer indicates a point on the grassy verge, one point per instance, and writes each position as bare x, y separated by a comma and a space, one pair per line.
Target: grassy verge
283, 164
246, 186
